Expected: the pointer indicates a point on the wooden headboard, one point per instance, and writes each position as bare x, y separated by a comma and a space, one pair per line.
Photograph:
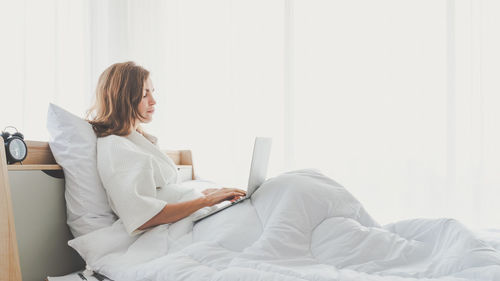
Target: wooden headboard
33, 230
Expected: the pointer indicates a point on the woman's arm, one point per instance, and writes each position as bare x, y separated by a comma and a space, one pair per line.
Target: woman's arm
177, 211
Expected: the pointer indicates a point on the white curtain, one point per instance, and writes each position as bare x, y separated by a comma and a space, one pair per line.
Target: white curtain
394, 99
398, 101
45, 56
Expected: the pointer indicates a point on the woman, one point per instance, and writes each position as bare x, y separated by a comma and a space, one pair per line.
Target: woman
139, 179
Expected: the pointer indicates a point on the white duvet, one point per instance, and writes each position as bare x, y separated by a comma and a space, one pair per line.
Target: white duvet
300, 225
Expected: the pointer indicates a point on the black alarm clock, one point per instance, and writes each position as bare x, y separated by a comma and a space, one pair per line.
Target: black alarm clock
15, 147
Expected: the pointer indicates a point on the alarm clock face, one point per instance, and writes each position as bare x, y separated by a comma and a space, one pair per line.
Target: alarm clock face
17, 149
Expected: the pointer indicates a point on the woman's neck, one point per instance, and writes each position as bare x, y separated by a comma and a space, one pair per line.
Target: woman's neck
136, 126
134, 129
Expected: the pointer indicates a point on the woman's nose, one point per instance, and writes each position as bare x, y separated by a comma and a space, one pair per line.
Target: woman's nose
152, 101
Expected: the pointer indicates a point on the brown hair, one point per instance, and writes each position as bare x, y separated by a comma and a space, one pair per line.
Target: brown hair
118, 94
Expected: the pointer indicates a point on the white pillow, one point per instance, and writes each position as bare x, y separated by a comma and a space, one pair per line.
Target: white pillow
73, 144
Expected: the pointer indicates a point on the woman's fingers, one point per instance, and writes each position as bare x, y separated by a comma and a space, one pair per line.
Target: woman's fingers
233, 194
233, 191
223, 194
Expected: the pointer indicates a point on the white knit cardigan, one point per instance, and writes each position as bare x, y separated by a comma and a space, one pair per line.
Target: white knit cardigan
134, 172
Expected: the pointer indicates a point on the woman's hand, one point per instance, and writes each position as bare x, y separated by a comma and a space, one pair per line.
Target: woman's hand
209, 190
173, 212
216, 196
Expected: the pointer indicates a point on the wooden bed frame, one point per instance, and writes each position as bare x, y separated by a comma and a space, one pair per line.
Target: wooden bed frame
33, 229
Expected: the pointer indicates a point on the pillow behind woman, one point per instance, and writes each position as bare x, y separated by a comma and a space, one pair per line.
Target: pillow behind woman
73, 144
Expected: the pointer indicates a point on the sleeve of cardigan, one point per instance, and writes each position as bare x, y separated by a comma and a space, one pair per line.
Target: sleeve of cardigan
133, 197
128, 179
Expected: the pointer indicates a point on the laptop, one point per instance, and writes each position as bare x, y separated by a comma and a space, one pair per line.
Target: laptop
258, 173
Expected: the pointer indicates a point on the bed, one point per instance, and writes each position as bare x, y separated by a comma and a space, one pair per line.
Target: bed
299, 225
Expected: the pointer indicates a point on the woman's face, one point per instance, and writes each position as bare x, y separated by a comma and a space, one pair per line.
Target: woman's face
146, 106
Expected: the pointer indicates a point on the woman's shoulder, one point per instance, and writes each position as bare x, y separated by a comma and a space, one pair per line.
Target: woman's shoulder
111, 138
113, 141
119, 153
116, 145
